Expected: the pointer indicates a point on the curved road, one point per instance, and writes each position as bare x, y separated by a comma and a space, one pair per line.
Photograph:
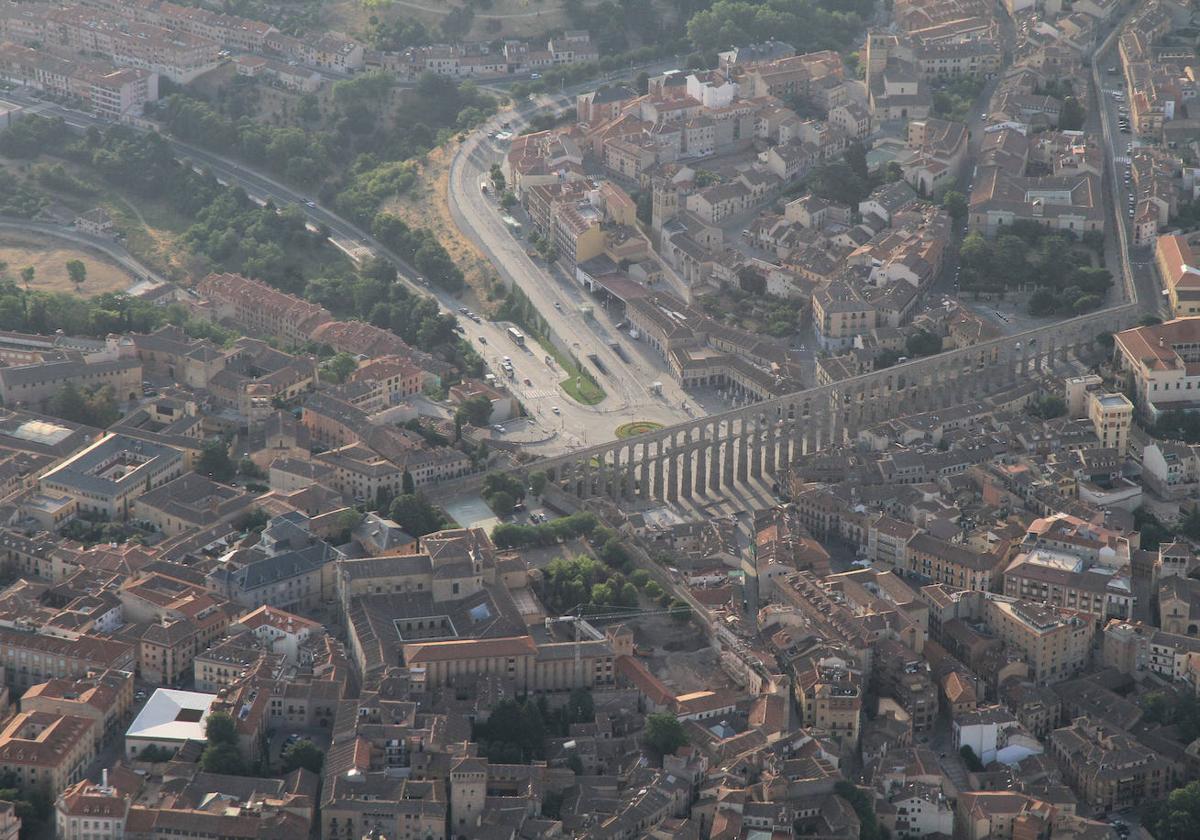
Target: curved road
573, 425
108, 247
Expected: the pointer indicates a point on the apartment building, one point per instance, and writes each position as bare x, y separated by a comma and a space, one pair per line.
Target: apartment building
289, 568
545, 667
33, 385
1158, 364
944, 562
261, 310
102, 808
46, 752
1112, 418
114, 93
1070, 203
178, 55
1065, 580
839, 315
105, 698
1055, 643
991, 815
1177, 258
191, 502
106, 477
1108, 768
398, 377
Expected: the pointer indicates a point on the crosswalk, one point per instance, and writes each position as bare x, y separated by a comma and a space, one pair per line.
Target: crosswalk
538, 393
1121, 159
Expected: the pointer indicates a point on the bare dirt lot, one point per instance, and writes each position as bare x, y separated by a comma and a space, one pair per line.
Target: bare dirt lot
504, 19
425, 206
49, 257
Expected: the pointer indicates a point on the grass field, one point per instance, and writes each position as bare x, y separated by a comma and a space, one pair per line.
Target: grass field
579, 384
637, 427
49, 257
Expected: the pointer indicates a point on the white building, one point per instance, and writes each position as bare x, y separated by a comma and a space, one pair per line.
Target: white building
280, 631
980, 730
711, 93
169, 718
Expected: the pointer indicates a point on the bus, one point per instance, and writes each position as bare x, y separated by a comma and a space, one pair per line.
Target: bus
516, 336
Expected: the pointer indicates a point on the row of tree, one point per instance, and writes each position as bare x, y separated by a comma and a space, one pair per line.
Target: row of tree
1028, 256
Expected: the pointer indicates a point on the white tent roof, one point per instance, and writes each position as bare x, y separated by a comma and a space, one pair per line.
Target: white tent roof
171, 715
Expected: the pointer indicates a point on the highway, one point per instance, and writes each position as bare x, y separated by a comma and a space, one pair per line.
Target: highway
558, 300
572, 425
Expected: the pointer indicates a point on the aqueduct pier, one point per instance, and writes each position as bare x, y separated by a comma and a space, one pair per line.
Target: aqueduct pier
708, 455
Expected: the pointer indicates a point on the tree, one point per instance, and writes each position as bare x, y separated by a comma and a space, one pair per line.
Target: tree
864, 809
955, 203
970, 759
214, 461
407, 484
303, 753
497, 176
153, 753
581, 708
68, 403
515, 733
501, 502
1042, 302
341, 366
222, 758
248, 468
664, 733
414, 513
752, 281
508, 200
27, 274
220, 729
1175, 818
477, 411
252, 520
1072, 115
923, 343
1190, 527
77, 271
1048, 406
537, 483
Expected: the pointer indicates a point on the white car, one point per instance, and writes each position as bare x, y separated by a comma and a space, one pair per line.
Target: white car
554, 408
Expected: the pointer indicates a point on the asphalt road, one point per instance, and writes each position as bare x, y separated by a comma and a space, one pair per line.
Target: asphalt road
572, 425
108, 247
559, 299
1118, 148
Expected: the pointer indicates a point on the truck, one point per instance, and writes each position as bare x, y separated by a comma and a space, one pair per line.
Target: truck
517, 336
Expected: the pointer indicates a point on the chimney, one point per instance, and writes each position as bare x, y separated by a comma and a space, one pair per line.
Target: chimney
104, 778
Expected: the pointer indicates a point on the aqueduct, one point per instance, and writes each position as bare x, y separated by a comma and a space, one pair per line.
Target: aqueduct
707, 455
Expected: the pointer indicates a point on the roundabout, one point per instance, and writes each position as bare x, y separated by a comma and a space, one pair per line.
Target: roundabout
635, 428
